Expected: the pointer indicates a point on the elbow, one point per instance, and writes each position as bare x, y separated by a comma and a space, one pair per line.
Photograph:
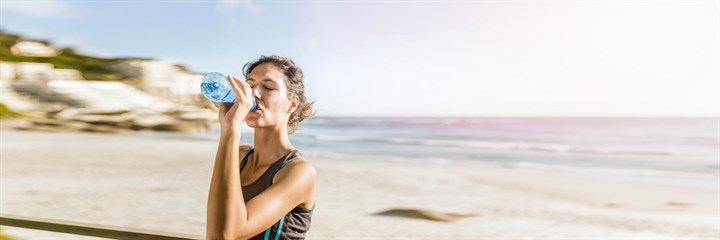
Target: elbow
219, 234
225, 234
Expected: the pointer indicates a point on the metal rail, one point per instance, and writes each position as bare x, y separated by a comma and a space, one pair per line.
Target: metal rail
89, 229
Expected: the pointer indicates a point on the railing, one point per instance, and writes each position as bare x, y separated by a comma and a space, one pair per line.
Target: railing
89, 229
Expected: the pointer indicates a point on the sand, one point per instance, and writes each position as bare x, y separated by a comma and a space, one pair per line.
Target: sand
159, 181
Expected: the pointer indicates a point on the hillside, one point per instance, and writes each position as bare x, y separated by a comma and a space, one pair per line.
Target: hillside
91, 67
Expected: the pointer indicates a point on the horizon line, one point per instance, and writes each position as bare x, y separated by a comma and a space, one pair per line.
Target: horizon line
525, 116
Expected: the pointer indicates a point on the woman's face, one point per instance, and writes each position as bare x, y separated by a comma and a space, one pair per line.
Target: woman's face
274, 107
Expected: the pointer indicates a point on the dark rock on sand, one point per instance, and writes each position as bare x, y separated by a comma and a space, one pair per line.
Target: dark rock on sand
425, 214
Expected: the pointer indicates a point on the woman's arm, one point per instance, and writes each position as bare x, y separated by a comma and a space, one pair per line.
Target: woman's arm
226, 207
226, 210
229, 217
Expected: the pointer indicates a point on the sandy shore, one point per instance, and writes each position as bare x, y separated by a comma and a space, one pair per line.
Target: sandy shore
159, 181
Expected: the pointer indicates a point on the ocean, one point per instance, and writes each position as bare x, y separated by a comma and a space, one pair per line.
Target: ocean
654, 147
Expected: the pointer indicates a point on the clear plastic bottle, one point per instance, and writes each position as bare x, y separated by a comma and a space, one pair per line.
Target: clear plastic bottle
216, 87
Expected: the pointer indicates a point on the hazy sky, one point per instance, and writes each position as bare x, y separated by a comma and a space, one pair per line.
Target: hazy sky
423, 58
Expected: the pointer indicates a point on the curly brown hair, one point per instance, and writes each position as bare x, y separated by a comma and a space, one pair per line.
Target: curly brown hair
294, 82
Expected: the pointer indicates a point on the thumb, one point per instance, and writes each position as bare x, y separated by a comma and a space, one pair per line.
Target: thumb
217, 105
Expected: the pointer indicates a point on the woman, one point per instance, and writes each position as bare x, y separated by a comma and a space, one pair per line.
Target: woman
270, 192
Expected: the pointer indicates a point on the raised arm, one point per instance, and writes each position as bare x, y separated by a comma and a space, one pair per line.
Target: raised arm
229, 217
226, 207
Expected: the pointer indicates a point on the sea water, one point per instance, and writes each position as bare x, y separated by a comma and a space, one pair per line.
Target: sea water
653, 147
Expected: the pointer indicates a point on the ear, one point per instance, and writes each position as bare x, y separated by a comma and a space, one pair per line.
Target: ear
294, 103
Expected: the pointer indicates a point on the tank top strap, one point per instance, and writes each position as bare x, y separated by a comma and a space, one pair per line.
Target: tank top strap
290, 160
244, 160
289, 157
286, 161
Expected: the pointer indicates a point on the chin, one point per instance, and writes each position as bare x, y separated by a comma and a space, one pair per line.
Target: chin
251, 123
255, 122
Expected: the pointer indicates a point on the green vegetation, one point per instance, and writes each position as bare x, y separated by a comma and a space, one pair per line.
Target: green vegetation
5, 112
5, 237
93, 68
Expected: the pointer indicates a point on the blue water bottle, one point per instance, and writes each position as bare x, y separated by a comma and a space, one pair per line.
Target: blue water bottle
217, 88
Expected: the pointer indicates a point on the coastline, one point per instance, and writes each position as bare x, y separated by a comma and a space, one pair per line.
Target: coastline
109, 179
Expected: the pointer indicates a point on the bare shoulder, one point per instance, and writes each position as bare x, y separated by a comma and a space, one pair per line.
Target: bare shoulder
299, 169
299, 179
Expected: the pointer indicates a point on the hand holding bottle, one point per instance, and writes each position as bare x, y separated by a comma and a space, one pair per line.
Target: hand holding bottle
216, 87
231, 115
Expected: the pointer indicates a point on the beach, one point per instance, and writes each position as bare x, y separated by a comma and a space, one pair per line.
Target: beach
159, 181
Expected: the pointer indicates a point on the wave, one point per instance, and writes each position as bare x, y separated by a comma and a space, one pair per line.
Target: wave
712, 175
500, 145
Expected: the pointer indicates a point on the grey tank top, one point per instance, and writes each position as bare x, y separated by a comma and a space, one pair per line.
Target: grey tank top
293, 225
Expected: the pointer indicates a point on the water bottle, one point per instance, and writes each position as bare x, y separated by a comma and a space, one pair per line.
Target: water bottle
217, 88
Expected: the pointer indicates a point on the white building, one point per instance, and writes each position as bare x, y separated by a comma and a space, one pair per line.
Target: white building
7, 71
36, 72
33, 49
164, 79
32, 71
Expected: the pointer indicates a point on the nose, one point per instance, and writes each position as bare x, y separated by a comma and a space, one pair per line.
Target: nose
256, 93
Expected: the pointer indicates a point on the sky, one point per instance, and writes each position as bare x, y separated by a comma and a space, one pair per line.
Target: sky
423, 58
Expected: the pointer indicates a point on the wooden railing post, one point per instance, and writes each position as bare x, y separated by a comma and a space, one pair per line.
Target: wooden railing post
89, 229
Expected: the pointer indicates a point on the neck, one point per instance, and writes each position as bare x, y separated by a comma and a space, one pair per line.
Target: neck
270, 145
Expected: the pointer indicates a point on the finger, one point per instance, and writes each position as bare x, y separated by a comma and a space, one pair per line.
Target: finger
238, 88
219, 106
216, 104
246, 87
